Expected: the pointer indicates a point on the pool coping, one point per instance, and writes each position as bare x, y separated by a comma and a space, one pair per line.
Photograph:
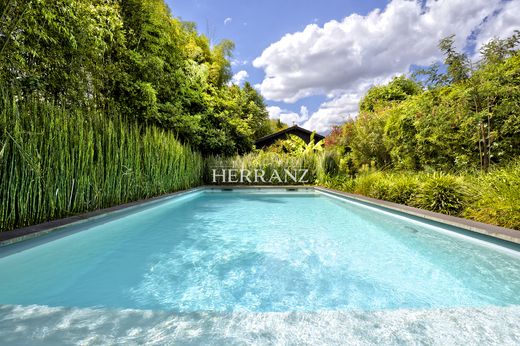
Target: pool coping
30, 232
490, 230
33, 231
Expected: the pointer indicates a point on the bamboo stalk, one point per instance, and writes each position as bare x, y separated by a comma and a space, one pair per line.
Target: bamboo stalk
56, 162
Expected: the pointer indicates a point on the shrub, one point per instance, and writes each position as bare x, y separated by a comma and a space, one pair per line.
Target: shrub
338, 182
442, 193
330, 163
373, 185
402, 187
497, 197
492, 197
393, 187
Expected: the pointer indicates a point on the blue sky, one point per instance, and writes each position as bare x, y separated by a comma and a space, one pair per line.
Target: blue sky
313, 60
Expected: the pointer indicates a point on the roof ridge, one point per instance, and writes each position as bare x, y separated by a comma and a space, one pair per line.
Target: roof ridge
294, 127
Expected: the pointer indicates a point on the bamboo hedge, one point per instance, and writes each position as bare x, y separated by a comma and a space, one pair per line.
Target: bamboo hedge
55, 163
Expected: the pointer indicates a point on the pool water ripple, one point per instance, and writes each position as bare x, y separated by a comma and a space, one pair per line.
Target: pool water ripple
261, 252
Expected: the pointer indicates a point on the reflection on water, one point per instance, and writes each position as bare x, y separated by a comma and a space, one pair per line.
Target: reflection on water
41, 325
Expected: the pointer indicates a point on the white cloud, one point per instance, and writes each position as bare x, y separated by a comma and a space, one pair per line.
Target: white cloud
501, 25
288, 117
274, 112
340, 107
304, 112
237, 62
333, 112
342, 59
227, 20
239, 77
339, 55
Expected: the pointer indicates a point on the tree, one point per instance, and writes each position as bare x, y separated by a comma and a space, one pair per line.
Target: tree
58, 49
457, 63
497, 50
431, 77
399, 89
255, 109
367, 141
470, 120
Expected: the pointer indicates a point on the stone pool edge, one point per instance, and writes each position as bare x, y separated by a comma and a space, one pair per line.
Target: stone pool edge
502, 233
493, 231
34, 231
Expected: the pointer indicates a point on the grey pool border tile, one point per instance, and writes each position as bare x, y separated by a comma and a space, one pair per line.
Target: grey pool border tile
30, 232
502, 233
41, 229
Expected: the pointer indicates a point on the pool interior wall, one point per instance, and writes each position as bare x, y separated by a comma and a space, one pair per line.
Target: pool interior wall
238, 266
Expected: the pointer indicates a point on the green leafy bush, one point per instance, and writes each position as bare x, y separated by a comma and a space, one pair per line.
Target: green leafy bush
402, 187
393, 187
492, 197
442, 193
337, 182
497, 197
330, 163
372, 185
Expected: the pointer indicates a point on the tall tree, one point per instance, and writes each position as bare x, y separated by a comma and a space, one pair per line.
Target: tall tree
457, 63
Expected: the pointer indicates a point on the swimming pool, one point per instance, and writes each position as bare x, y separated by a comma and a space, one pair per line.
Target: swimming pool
262, 252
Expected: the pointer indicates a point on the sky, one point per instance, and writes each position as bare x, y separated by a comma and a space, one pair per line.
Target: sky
313, 61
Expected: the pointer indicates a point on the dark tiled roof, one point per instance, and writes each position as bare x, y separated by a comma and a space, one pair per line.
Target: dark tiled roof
292, 129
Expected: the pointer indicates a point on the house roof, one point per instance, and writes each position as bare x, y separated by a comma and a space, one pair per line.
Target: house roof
294, 128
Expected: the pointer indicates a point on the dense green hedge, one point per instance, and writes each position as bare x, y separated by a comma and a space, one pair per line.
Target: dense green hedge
492, 197
54, 163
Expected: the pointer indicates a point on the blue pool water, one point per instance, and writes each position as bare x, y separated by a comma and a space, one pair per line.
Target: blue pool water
259, 252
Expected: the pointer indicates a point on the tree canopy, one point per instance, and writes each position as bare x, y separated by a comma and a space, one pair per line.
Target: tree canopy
133, 56
466, 117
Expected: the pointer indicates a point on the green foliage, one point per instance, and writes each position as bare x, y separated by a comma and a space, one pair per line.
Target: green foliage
294, 145
399, 89
134, 56
403, 187
394, 187
367, 145
470, 120
371, 185
457, 66
338, 182
498, 50
492, 197
330, 163
55, 163
58, 49
276, 125
497, 197
365, 138
442, 193
456, 62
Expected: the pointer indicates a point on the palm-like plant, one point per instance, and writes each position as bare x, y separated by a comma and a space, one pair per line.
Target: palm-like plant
296, 145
